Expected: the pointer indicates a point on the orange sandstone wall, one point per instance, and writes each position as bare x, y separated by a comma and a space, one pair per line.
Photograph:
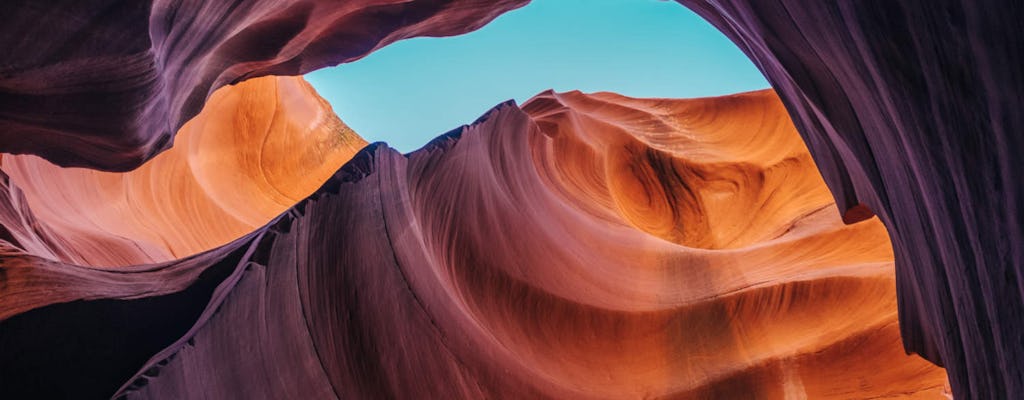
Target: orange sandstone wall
256, 149
582, 246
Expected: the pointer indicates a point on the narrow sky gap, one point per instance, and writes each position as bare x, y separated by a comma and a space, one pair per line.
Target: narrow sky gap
411, 91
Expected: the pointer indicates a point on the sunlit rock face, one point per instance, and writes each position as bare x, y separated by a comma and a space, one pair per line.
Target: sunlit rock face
911, 110
106, 83
255, 150
582, 246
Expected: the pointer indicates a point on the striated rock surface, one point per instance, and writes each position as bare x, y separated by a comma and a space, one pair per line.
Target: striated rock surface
911, 110
106, 83
255, 150
582, 246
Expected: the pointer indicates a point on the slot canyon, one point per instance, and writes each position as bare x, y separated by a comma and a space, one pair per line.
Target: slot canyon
182, 215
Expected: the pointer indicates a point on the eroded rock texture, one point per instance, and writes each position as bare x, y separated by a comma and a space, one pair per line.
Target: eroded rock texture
584, 246
106, 83
257, 149
911, 108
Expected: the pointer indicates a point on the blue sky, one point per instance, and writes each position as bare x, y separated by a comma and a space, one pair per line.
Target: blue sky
411, 91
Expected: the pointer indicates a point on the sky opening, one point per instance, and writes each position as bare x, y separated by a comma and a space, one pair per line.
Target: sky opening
414, 90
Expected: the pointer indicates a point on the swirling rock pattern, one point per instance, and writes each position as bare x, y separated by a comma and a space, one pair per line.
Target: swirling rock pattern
584, 246
257, 149
106, 83
910, 109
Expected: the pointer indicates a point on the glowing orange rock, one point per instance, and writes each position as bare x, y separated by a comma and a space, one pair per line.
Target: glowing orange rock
582, 246
255, 150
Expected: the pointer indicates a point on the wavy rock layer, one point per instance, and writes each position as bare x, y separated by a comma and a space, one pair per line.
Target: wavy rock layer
106, 83
584, 246
911, 110
255, 150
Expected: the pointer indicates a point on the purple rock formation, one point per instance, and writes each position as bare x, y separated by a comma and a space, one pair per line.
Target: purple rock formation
911, 108
413, 276
105, 84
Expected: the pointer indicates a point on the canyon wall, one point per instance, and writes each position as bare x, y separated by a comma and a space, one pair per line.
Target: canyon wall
257, 149
106, 84
582, 246
910, 111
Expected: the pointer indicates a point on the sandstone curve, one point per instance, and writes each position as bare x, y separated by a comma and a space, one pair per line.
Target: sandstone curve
535, 273
106, 84
256, 149
910, 111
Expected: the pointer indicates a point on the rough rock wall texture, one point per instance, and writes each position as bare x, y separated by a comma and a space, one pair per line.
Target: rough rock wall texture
107, 83
582, 246
912, 109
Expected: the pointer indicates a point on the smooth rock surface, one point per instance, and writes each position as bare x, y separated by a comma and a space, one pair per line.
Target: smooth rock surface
911, 110
106, 84
584, 246
255, 150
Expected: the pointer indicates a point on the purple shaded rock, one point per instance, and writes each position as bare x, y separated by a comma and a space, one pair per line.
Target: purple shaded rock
911, 108
106, 84
413, 276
